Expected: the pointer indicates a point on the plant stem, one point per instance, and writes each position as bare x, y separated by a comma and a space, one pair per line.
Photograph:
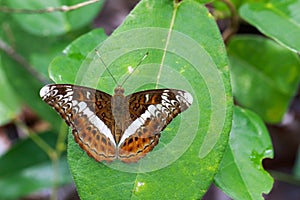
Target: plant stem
21, 60
63, 8
234, 26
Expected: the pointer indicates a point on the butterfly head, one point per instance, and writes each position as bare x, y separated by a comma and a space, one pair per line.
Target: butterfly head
119, 90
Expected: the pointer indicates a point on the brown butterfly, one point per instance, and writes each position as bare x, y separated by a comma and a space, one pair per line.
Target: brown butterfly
116, 127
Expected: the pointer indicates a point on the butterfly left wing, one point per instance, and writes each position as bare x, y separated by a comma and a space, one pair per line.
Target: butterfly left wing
88, 112
151, 111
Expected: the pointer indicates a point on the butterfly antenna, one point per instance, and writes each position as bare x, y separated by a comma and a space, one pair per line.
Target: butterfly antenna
144, 57
106, 68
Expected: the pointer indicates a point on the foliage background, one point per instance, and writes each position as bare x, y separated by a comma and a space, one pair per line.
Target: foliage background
265, 79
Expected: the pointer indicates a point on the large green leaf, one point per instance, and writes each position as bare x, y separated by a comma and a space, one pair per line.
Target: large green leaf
54, 23
25, 168
265, 75
279, 20
241, 174
183, 42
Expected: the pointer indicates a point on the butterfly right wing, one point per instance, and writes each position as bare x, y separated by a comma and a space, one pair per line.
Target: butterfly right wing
151, 111
88, 112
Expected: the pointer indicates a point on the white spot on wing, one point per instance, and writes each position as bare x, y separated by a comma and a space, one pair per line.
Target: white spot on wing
74, 102
88, 94
69, 93
147, 97
44, 91
151, 109
188, 97
82, 105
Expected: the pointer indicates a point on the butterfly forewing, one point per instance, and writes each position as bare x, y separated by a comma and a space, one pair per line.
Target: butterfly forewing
116, 127
88, 112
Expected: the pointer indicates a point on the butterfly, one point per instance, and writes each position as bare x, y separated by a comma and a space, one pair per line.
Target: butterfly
116, 127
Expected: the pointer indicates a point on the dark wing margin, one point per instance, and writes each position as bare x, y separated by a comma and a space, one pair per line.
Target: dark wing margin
151, 111
88, 112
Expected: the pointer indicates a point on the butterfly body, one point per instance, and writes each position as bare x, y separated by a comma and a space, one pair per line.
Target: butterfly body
116, 127
120, 113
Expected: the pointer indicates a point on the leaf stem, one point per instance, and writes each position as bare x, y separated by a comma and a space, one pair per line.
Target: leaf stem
37, 139
63, 8
234, 25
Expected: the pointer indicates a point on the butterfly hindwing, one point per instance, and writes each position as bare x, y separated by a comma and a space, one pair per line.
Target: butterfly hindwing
151, 111
88, 112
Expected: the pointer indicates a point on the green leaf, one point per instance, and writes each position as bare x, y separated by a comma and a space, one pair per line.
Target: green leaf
53, 23
194, 59
21, 176
65, 68
9, 104
277, 19
241, 174
265, 75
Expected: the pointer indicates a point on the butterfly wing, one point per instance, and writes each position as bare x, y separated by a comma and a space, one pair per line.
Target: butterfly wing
151, 111
88, 112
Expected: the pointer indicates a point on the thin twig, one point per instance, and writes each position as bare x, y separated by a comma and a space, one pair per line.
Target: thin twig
53, 154
37, 139
234, 26
63, 8
22, 61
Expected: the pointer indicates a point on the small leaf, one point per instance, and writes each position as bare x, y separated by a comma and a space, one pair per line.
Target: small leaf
277, 19
241, 174
265, 75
